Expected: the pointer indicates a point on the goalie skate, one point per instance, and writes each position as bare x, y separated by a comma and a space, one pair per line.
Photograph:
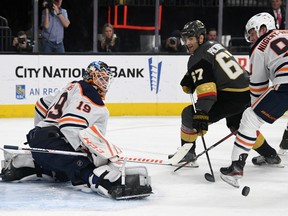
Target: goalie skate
133, 196
123, 193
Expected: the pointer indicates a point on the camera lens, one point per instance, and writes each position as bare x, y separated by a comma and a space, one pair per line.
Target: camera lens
172, 42
21, 40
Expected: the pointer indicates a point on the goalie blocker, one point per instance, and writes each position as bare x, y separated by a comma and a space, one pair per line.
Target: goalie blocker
105, 175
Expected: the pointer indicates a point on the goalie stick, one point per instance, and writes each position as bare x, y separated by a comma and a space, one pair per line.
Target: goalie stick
153, 161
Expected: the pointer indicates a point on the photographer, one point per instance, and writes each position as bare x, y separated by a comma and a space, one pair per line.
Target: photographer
54, 20
21, 43
109, 42
173, 43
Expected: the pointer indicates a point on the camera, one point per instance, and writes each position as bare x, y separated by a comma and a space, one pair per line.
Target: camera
172, 40
21, 40
108, 41
49, 5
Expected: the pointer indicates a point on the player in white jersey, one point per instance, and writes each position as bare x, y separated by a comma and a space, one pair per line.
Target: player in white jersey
75, 120
268, 62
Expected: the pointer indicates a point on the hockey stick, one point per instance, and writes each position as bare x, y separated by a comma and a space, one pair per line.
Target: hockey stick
153, 161
51, 151
208, 149
208, 176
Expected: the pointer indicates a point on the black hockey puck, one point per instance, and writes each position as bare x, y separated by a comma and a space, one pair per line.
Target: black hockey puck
245, 191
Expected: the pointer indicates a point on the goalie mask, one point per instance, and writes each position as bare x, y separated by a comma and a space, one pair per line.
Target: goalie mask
98, 74
256, 22
193, 28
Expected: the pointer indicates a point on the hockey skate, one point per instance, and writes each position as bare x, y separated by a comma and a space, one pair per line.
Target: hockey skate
273, 161
284, 144
190, 156
234, 172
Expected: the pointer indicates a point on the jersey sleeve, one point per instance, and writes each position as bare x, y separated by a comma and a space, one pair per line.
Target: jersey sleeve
259, 79
42, 106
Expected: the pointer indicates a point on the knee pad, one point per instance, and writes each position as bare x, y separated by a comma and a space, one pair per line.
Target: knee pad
251, 121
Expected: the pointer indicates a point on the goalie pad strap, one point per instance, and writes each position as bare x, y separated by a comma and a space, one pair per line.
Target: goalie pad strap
100, 178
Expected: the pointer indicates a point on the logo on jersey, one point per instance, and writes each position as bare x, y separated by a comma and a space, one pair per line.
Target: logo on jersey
20, 92
154, 74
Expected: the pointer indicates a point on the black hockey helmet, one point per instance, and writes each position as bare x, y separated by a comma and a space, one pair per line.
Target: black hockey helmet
194, 28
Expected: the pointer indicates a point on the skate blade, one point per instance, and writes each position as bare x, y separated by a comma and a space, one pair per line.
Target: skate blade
231, 180
272, 165
280, 165
283, 152
139, 196
193, 164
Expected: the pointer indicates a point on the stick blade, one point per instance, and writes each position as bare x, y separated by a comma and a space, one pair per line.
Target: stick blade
209, 177
180, 154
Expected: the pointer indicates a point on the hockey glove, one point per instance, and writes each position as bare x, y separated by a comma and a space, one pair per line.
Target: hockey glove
200, 122
186, 89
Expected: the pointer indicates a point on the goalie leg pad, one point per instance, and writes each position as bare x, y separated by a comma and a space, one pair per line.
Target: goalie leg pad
108, 181
21, 167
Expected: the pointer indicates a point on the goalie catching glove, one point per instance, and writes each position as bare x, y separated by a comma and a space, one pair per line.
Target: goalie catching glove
120, 183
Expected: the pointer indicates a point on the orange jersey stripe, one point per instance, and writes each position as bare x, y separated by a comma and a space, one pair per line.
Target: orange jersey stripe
94, 129
38, 105
258, 89
283, 69
72, 120
243, 142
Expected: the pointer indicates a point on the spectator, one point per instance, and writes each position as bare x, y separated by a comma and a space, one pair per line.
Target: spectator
212, 34
173, 43
278, 12
54, 20
109, 41
21, 43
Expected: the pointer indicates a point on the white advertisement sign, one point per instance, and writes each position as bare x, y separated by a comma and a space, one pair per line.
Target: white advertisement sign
140, 78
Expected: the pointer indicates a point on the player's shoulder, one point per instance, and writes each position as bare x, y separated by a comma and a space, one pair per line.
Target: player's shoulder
88, 91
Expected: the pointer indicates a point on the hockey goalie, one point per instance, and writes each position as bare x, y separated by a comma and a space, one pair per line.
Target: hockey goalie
75, 119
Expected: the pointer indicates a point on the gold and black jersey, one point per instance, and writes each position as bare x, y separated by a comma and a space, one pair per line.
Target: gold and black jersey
212, 69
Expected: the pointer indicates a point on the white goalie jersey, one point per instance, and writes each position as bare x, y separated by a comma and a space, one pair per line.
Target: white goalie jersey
70, 110
268, 61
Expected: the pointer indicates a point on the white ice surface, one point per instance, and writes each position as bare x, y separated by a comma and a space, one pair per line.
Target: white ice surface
183, 193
